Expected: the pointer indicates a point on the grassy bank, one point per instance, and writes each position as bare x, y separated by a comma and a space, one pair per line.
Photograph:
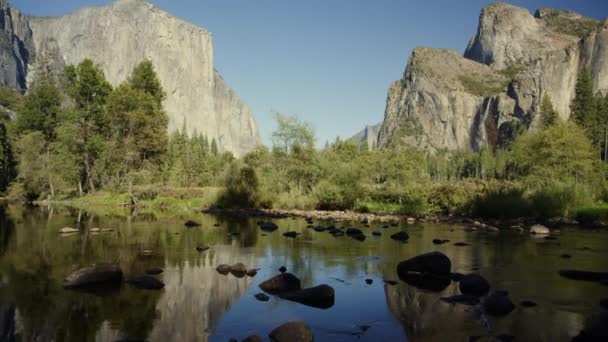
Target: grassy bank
475, 199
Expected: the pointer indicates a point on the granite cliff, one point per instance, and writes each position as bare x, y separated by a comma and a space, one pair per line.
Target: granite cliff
450, 101
118, 37
367, 136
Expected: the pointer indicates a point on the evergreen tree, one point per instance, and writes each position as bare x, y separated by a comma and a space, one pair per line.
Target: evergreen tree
41, 109
548, 115
584, 110
87, 86
7, 162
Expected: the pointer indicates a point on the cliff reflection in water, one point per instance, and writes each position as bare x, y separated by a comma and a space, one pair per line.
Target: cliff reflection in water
36, 259
199, 304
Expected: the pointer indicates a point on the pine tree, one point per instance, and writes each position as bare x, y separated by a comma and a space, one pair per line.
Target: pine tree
548, 115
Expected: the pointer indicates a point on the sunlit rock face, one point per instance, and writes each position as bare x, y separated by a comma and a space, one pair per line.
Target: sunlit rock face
443, 102
118, 37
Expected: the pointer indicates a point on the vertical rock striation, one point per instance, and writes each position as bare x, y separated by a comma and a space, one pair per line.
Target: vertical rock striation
118, 37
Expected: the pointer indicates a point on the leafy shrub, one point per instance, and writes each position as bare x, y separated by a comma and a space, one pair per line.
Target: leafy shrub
501, 203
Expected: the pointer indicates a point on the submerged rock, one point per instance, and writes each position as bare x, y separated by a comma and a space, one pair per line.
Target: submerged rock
68, 230
321, 296
290, 234
527, 304
252, 272
474, 284
400, 236
101, 273
498, 304
376, 233
359, 237
253, 338
262, 297
434, 263
427, 281
369, 281
238, 270
191, 223
146, 282
154, 271
223, 269
353, 231
292, 332
439, 241
201, 248
584, 275
269, 226
462, 299
282, 269
284, 282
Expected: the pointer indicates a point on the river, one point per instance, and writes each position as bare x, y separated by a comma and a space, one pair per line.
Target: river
199, 304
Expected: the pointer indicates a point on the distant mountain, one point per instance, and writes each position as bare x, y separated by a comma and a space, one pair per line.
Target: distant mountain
118, 37
368, 135
448, 101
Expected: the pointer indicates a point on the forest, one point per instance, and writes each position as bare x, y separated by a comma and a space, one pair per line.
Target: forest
75, 136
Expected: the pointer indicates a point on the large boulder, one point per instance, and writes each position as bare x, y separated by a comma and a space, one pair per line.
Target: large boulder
400, 236
433, 263
427, 281
238, 270
101, 273
292, 332
498, 304
474, 284
321, 296
282, 283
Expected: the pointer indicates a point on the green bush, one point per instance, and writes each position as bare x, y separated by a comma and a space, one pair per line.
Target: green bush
501, 203
242, 189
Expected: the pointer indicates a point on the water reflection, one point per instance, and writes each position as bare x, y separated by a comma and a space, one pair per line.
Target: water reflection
199, 304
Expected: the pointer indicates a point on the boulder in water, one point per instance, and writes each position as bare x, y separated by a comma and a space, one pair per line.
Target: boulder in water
321, 296
292, 332
433, 263
400, 236
474, 284
68, 230
282, 283
539, 229
101, 273
146, 282
498, 304
191, 223
268, 226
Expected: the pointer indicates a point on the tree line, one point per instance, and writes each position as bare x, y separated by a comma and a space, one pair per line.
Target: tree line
76, 134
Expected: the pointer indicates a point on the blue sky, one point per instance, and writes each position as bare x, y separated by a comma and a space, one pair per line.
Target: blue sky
328, 61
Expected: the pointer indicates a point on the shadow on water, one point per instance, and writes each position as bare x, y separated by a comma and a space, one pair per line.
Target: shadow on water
199, 304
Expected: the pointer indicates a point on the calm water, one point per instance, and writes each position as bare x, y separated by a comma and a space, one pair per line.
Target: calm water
198, 304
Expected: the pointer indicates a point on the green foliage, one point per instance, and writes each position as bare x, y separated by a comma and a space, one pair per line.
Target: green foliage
292, 133
482, 86
10, 98
559, 153
7, 159
548, 115
578, 27
242, 187
41, 110
144, 78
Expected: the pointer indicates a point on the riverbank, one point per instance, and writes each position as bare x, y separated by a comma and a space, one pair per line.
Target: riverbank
179, 202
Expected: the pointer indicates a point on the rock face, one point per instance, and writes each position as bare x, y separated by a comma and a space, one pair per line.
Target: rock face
118, 37
368, 136
448, 101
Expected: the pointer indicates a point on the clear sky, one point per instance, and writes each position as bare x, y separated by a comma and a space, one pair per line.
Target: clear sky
328, 61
